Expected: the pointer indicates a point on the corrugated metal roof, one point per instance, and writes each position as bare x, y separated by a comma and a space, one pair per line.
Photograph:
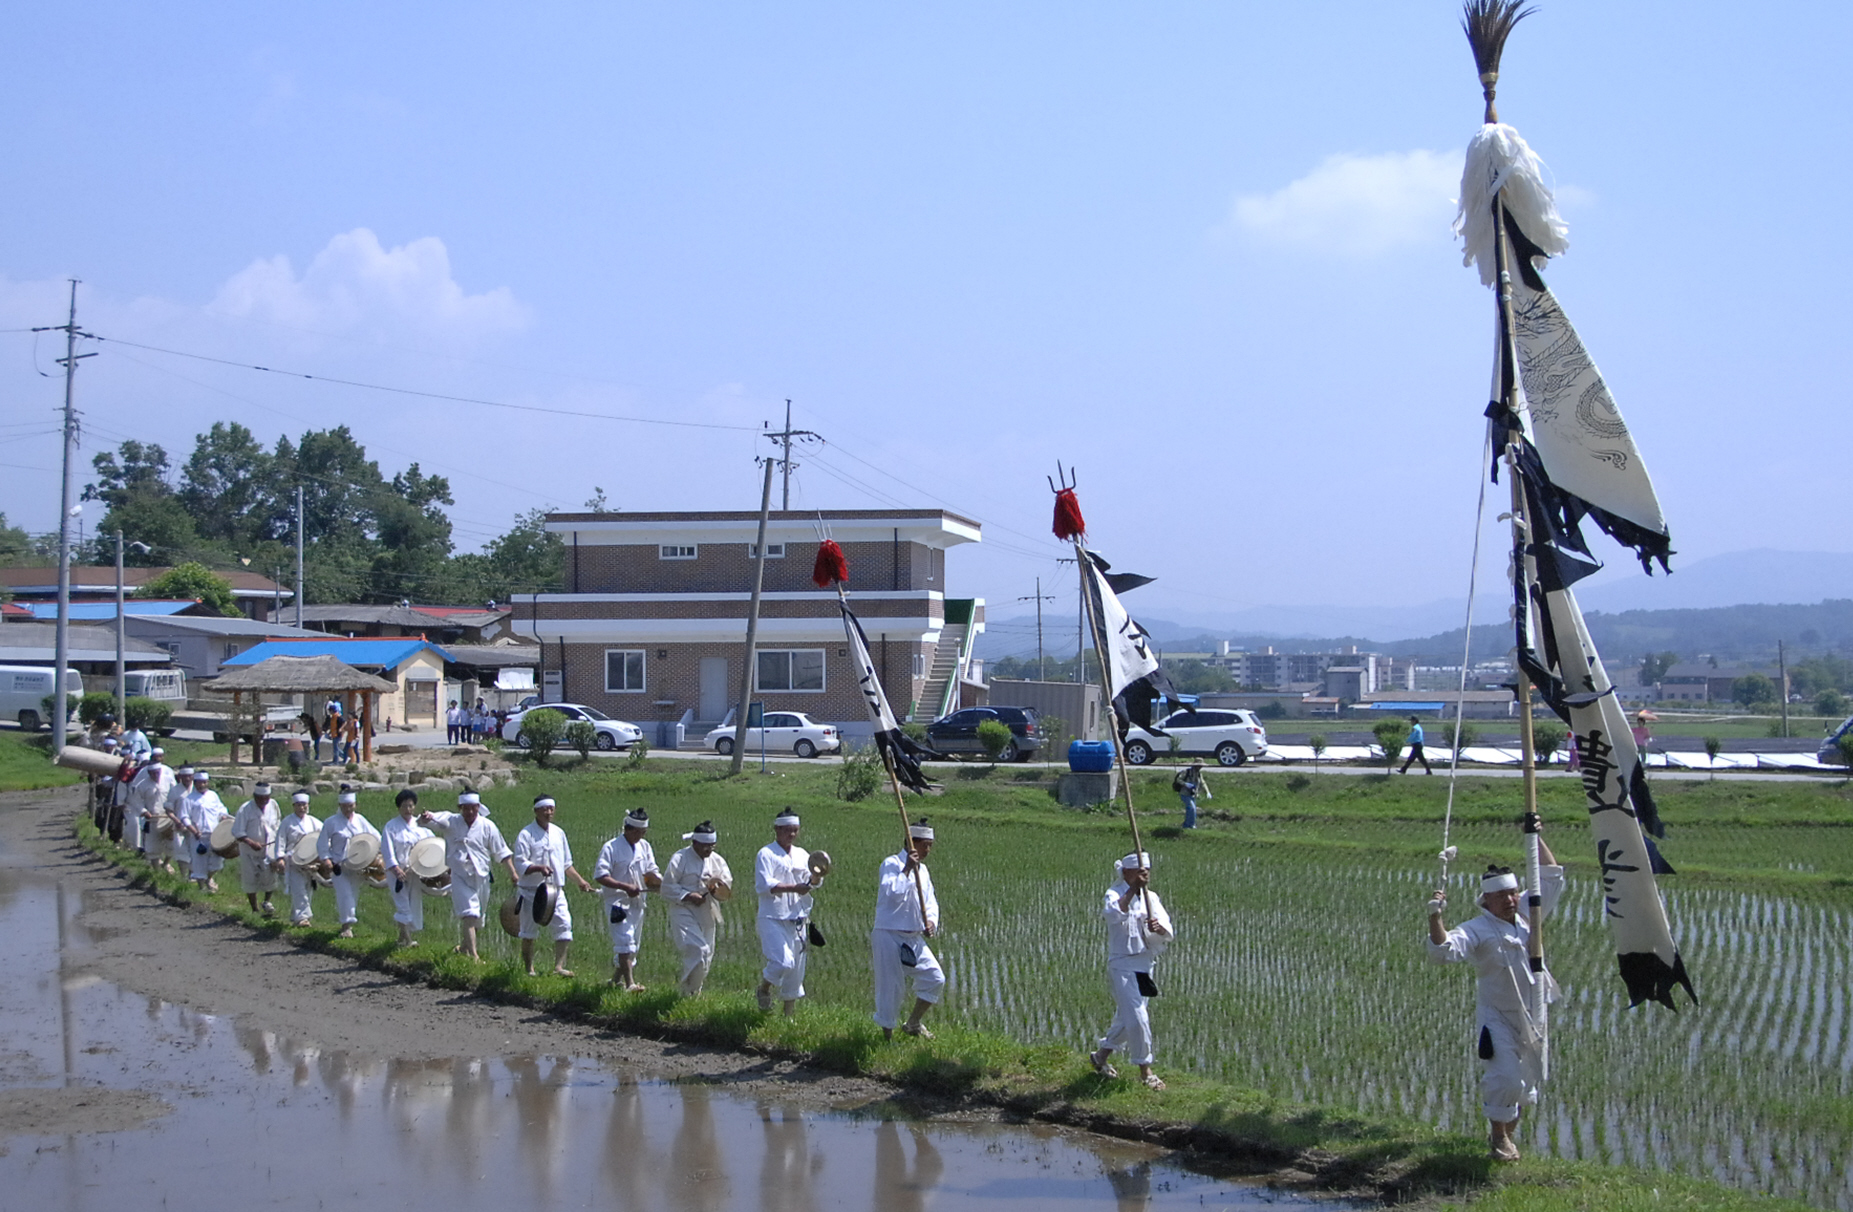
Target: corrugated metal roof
226, 626
383, 653
48, 611
35, 644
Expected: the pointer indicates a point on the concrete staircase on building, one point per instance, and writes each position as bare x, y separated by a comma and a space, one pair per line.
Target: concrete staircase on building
940, 673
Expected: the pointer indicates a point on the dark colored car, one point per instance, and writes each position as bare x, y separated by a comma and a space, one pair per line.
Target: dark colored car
958, 732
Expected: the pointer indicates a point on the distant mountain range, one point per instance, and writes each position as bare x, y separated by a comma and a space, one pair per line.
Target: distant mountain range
1803, 598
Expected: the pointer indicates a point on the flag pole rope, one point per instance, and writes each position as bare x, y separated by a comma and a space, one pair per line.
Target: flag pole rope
1460, 702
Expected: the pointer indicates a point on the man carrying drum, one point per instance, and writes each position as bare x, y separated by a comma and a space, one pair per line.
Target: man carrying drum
472, 846
784, 877
627, 871
338, 834
298, 880
179, 856
255, 829
202, 811
544, 858
396, 841
694, 885
147, 795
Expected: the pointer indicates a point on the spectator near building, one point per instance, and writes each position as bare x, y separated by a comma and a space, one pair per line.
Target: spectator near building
652, 625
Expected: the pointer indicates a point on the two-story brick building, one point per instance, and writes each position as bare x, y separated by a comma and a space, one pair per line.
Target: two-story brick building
652, 625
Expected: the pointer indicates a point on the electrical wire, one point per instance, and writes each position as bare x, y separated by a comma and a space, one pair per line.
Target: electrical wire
428, 395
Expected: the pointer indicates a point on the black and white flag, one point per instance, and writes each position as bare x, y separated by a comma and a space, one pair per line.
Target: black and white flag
901, 753
1135, 679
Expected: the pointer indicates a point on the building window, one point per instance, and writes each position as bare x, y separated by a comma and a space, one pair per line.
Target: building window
623, 670
774, 551
671, 551
231, 650
790, 669
920, 664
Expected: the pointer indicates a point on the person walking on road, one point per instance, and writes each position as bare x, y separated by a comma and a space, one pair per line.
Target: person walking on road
1415, 748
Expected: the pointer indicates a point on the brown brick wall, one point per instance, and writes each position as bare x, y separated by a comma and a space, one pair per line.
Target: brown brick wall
725, 568
817, 608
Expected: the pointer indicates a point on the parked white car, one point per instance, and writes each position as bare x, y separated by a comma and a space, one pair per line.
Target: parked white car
1231, 736
612, 734
785, 732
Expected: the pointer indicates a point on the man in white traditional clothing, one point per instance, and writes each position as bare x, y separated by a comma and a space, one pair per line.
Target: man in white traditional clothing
147, 795
784, 879
1497, 943
627, 873
695, 883
396, 841
203, 810
255, 827
298, 883
179, 854
898, 943
1138, 930
472, 847
543, 861
331, 851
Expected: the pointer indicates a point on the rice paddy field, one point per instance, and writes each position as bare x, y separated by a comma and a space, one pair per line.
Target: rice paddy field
1298, 968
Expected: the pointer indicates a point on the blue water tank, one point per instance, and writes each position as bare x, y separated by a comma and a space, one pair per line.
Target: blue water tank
1090, 757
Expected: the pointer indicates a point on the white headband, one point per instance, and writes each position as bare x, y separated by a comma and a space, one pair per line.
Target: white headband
469, 797
707, 839
636, 822
202, 776
545, 801
157, 751
785, 820
346, 797
1142, 859
301, 797
922, 832
1498, 883
261, 789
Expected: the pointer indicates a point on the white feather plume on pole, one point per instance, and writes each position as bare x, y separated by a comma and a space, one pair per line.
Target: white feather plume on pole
1499, 158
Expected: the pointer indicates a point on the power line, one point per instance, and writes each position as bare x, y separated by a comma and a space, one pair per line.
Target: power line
425, 395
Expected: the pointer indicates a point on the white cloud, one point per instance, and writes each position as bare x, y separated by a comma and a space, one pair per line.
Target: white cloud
355, 283
1357, 205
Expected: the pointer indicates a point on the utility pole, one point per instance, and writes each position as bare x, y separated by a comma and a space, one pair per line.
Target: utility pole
299, 557
61, 659
1042, 673
1782, 684
122, 699
1080, 630
783, 438
752, 633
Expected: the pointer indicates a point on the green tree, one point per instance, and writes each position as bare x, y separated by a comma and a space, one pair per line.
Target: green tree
996, 738
1317, 742
193, 580
582, 735
15, 545
228, 486
1547, 738
1712, 746
541, 732
1655, 665
1753, 690
528, 558
132, 482
1831, 703
1391, 734
412, 536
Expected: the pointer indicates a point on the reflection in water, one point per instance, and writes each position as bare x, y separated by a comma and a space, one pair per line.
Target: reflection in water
286, 1122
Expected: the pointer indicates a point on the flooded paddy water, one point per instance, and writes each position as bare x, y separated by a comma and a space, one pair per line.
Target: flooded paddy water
112, 1097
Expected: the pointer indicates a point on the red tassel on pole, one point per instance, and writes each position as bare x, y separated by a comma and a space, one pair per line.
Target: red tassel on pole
1068, 521
832, 565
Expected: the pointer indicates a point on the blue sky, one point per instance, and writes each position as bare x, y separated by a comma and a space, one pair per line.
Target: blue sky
1200, 250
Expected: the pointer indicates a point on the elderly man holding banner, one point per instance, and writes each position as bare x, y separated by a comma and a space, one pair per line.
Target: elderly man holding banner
1497, 943
1138, 930
695, 883
906, 916
472, 847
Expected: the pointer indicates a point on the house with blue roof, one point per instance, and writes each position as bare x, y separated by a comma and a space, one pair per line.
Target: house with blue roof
413, 664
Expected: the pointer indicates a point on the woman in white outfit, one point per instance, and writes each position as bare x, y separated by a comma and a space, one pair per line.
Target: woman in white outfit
396, 841
297, 882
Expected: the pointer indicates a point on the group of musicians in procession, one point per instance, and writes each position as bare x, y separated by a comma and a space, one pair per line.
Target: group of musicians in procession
177, 820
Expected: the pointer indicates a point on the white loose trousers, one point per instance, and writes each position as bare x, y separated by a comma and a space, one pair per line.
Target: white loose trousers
891, 974
408, 902
1131, 1029
691, 927
781, 941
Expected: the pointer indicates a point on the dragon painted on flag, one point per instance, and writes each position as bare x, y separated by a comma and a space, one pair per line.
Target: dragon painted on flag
1569, 457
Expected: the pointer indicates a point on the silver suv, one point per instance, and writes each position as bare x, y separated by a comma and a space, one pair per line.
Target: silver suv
1231, 735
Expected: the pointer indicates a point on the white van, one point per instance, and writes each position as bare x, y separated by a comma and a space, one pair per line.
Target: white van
24, 688
163, 685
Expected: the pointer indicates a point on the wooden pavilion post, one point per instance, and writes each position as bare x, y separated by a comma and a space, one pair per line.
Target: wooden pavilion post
366, 725
237, 715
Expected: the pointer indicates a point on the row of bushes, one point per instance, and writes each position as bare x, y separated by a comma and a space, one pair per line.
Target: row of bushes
149, 715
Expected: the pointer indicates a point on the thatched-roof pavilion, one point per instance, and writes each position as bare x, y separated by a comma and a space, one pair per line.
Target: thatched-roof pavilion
306, 675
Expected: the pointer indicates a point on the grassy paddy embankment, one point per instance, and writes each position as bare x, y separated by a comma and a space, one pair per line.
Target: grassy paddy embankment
1301, 1026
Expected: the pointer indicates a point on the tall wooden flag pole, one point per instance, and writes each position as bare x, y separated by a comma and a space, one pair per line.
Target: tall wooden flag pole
832, 568
1070, 525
